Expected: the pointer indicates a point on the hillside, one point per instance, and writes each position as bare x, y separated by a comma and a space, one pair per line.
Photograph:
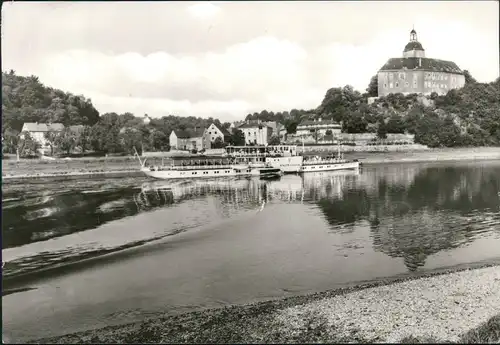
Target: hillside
26, 99
466, 117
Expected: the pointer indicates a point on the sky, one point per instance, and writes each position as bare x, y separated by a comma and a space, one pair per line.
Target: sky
228, 59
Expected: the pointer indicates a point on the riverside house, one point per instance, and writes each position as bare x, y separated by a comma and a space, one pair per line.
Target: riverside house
37, 132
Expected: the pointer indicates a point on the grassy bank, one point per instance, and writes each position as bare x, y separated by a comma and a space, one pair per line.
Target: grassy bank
460, 305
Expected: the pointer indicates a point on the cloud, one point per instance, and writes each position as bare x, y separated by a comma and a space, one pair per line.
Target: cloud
203, 10
232, 58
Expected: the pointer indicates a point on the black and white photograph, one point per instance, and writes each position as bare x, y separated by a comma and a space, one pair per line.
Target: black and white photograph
244, 172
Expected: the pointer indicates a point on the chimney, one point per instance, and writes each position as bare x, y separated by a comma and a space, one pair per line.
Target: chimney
419, 62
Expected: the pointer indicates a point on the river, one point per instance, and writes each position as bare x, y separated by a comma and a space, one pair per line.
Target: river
81, 254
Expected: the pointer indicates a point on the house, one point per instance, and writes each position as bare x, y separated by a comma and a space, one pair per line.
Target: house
187, 139
313, 130
37, 131
212, 133
256, 133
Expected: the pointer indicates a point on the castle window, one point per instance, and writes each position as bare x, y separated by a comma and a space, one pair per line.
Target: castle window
390, 85
445, 77
414, 83
397, 84
402, 76
385, 85
407, 84
390, 76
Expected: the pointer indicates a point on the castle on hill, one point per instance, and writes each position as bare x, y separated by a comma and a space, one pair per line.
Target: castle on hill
415, 73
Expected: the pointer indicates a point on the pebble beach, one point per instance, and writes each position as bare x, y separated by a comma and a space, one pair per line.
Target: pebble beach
445, 306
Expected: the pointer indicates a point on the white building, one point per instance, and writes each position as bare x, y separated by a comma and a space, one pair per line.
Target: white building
37, 132
314, 128
256, 133
187, 139
212, 133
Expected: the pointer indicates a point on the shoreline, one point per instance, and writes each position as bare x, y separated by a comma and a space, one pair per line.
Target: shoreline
117, 173
263, 321
366, 158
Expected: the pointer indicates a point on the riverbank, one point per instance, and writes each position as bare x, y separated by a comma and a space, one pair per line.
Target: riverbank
124, 166
434, 155
455, 305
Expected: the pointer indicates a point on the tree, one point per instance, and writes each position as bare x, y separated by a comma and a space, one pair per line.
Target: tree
354, 124
291, 126
372, 88
27, 146
274, 140
218, 143
10, 140
159, 141
131, 140
237, 138
382, 130
469, 79
66, 140
51, 138
83, 138
395, 124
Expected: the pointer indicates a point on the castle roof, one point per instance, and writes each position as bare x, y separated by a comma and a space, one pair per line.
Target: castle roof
425, 64
413, 45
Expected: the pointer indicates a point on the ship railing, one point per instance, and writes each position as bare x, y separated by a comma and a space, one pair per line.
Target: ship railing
324, 161
192, 167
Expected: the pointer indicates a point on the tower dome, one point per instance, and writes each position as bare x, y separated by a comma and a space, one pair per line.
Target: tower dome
414, 47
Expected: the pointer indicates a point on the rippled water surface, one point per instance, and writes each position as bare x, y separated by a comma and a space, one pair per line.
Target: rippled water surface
80, 254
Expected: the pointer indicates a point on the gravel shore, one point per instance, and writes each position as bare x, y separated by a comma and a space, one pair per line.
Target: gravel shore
439, 306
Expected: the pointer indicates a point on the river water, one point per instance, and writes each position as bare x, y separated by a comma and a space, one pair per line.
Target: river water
81, 254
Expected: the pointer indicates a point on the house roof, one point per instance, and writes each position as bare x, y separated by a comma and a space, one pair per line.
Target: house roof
190, 133
43, 127
222, 129
253, 125
313, 123
412, 63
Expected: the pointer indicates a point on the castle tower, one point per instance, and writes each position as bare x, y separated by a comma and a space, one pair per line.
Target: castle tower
414, 47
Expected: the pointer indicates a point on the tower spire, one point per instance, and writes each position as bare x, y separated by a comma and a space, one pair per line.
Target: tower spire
413, 34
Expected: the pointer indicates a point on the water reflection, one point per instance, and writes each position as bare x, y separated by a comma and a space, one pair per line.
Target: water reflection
409, 211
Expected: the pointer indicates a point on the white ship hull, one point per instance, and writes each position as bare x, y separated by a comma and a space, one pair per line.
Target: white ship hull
292, 164
211, 172
329, 166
